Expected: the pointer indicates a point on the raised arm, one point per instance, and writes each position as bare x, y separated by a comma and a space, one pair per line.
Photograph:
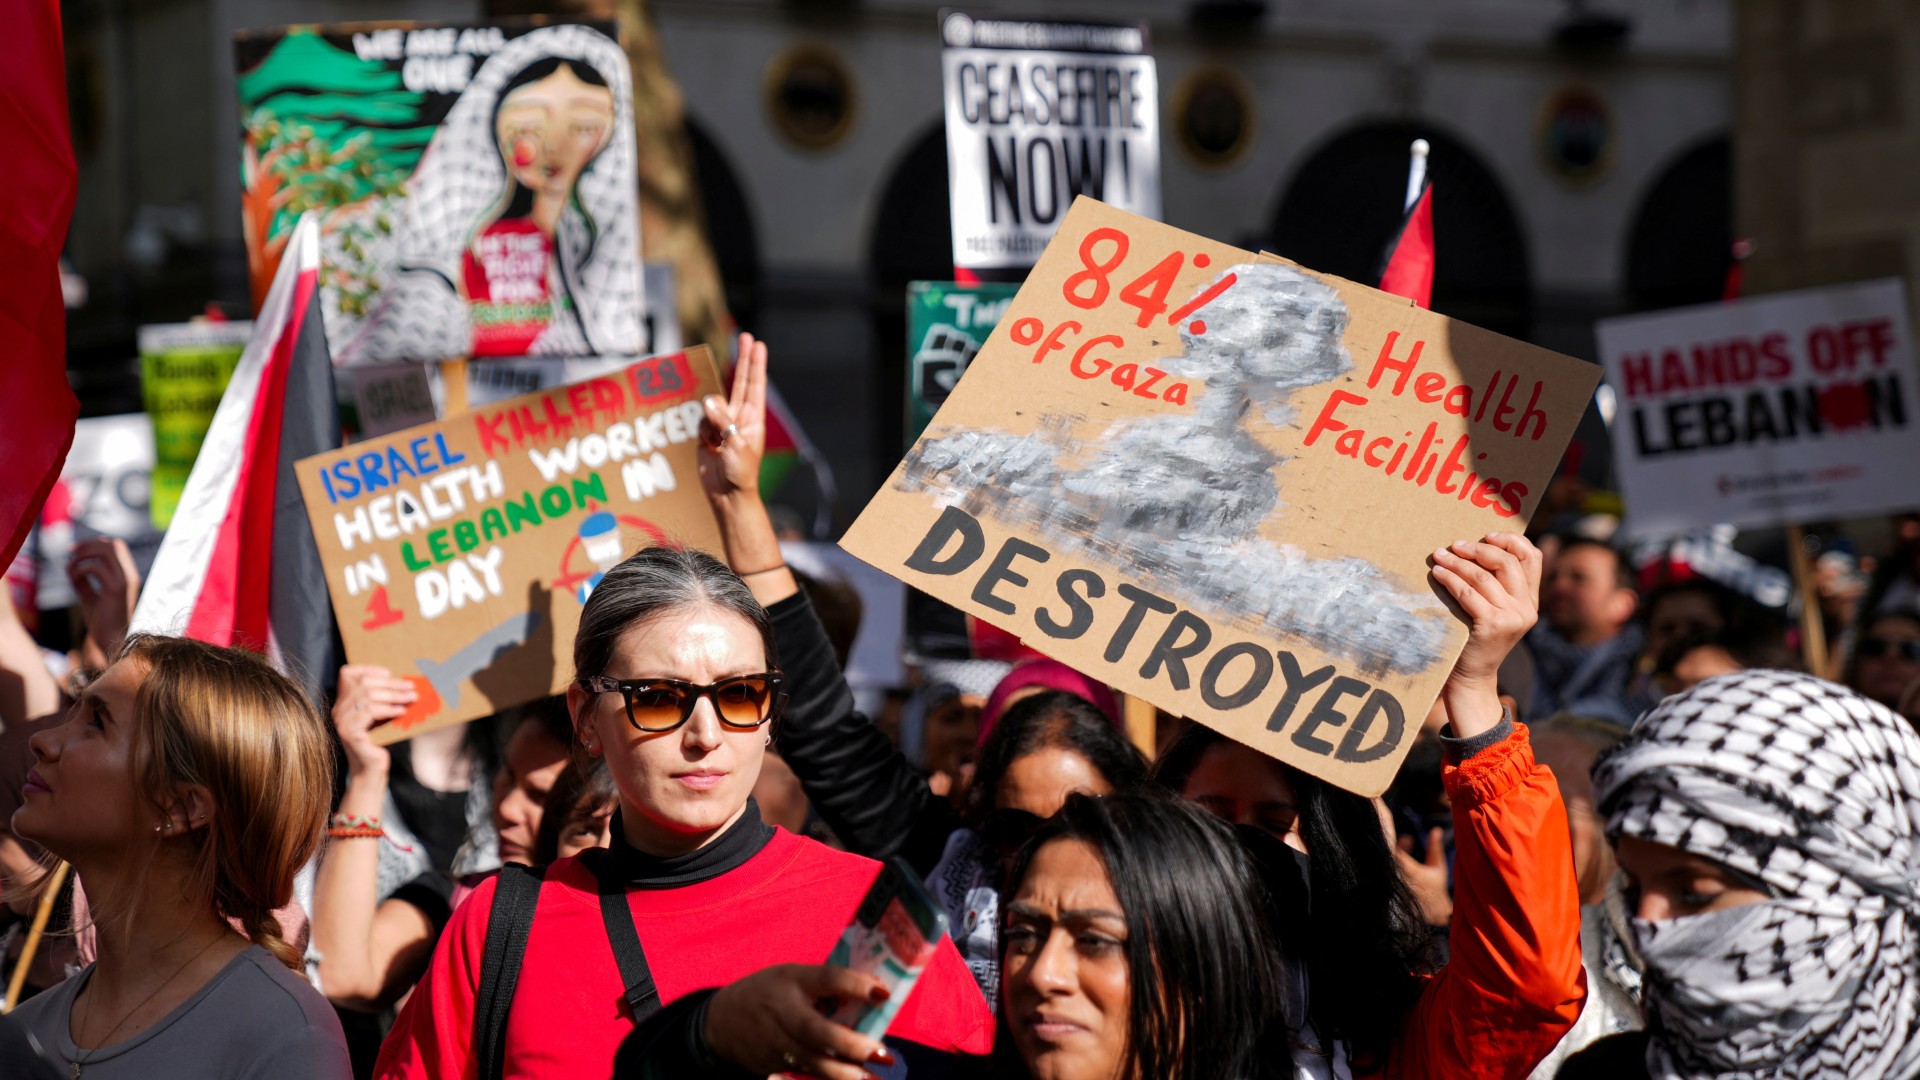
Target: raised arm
28, 690
733, 443
866, 791
1513, 983
370, 951
107, 584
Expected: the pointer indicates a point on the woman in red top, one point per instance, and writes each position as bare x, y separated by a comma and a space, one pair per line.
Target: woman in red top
677, 687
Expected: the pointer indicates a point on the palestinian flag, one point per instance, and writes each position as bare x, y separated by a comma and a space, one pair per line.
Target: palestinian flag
1409, 264
239, 565
36, 202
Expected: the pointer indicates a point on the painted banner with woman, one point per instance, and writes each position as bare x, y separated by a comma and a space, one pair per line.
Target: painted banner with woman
477, 184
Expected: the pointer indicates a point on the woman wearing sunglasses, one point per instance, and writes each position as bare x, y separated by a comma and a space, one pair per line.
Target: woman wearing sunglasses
678, 689
864, 788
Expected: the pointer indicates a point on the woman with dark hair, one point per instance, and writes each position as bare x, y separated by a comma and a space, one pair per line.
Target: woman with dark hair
1364, 943
1138, 948
1376, 1003
1044, 747
1768, 827
861, 785
678, 687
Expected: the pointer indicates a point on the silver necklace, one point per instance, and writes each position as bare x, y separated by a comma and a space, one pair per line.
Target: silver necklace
74, 1064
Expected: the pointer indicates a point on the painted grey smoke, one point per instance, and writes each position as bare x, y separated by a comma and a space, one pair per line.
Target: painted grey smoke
1179, 499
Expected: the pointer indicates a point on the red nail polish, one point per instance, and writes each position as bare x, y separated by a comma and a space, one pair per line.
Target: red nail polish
883, 1056
878, 994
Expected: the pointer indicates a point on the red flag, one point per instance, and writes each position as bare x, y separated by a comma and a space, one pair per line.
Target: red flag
1409, 269
239, 565
1736, 271
36, 201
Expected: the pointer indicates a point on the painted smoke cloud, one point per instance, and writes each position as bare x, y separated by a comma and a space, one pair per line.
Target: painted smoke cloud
1179, 499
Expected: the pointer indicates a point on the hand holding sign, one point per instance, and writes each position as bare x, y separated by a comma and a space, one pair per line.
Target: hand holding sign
1497, 583
368, 696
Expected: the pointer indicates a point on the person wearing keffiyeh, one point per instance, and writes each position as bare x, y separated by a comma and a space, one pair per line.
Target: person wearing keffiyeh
1769, 825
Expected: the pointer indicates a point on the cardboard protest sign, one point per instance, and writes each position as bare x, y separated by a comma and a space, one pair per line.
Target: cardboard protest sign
1039, 112
477, 184
458, 554
947, 322
1214, 480
184, 368
1775, 410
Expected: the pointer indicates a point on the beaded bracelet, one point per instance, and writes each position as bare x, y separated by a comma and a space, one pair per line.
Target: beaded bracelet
354, 821
352, 833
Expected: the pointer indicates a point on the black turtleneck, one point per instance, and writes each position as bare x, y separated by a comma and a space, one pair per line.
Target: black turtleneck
628, 867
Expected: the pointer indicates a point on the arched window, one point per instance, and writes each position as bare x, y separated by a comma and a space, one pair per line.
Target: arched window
1680, 245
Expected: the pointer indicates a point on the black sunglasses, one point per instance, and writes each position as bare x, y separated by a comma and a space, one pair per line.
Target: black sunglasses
744, 702
1879, 646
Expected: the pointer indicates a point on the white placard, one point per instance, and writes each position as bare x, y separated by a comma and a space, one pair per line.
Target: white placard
1038, 112
1792, 407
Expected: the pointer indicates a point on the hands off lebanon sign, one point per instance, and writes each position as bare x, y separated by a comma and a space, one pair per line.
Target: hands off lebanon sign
1039, 112
1779, 409
459, 553
1214, 480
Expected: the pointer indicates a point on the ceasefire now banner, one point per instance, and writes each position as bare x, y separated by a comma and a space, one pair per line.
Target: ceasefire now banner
1039, 112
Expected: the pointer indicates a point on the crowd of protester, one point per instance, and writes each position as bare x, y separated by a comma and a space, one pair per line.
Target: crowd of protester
1637, 836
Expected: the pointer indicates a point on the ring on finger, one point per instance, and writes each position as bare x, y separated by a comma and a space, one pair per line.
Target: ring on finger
789, 1060
732, 430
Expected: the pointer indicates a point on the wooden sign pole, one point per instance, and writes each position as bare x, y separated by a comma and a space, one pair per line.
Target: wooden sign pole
453, 382
1142, 724
1813, 628
35, 932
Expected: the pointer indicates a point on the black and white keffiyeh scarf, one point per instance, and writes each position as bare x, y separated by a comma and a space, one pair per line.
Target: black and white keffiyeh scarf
1814, 791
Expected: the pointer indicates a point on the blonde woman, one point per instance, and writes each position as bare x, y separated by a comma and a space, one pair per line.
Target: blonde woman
186, 786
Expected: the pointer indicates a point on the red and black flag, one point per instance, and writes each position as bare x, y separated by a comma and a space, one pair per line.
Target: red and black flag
1408, 267
239, 565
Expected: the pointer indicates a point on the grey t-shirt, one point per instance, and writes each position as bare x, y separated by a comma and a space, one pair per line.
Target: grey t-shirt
255, 1020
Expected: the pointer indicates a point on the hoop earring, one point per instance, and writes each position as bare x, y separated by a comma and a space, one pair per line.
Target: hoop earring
769, 738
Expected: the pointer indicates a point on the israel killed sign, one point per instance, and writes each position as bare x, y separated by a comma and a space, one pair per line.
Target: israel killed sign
460, 553
1039, 112
1778, 409
1214, 479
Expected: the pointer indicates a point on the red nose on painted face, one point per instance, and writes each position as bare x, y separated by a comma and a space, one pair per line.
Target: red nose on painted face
525, 152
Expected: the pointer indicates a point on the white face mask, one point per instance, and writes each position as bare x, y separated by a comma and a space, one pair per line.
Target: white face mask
1720, 1001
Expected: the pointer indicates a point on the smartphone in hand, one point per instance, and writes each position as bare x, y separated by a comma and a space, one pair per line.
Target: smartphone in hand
892, 937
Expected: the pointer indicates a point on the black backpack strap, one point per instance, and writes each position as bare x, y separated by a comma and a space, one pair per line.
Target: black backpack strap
516, 893
643, 998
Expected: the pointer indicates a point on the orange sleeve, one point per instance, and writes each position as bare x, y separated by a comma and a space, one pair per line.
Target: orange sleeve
431, 1039
1513, 983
